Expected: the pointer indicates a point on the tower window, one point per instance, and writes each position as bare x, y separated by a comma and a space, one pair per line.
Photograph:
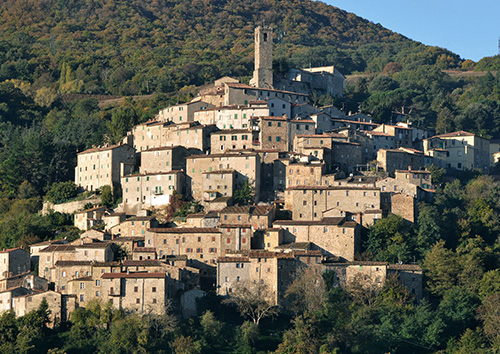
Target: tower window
265, 37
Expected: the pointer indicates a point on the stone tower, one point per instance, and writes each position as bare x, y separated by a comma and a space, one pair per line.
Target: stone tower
263, 73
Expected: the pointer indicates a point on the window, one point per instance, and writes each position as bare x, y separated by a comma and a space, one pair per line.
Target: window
97, 293
136, 289
153, 289
82, 298
137, 301
269, 124
98, 282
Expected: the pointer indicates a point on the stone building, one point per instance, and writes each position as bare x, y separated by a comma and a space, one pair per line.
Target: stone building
201, 244
182, 113
135, 292
141, 191
98, 167
217, 184
233, 116
230, 139
165, 159
421, 178
402, 135
23, 305
346, 155
263, 73
148, 135
304, 173
236, 237
257, 216
86, 219
313, 203
246, 165
27, 280
14, 261
98, 251
135, 226
65, 271
270, 133
236, 93
462, 151
333, 236
399, 159
272, 271
190, 135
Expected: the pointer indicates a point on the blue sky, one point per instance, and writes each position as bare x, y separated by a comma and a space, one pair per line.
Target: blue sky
469, 28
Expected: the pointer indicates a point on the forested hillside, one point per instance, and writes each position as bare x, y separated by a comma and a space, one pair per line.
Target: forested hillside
57, 55
137, 47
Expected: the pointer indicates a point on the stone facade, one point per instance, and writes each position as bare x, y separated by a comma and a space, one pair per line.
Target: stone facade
104, 166
165, 159
462, 151
14, 261
218, 184
304, 174
332, 236
201, 244
270, 133
234, 116
263, 73
190, 135
313, 203
246, 164
257, 216
25, 304
135, 226
392, 160
231, 139
86, 219
152, 189
182, 113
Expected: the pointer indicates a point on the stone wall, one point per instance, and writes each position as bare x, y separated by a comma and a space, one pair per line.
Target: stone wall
69, 207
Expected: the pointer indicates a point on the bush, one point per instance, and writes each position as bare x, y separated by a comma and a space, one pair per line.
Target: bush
60, 192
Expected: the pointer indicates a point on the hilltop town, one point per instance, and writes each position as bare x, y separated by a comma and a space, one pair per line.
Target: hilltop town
276, 185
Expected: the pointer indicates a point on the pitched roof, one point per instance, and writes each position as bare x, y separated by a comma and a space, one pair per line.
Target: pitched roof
133, 275
259, 210
184, 230
144, 249
454, 134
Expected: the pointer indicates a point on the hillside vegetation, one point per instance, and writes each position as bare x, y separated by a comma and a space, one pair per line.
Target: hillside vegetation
137, 47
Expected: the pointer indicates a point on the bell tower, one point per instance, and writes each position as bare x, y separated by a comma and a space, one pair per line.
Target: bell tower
263, 73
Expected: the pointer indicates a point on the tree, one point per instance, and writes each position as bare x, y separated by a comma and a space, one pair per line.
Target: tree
62, 191
307, 292
251, 300
244, 195
107, 196
441, 266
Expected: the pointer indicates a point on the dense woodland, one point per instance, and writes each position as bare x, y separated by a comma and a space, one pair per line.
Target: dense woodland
58, 57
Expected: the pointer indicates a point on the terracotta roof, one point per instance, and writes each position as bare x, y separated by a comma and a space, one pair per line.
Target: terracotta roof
153, 173
219, 172
235, 226
143, 263
128, 238
235, 154
338, 221
238, 85
347, 188
414, 171
232, 259
133, 275
380, 134
91, 209
184, 230
59, 248
111, 147
413, 267
247, 209
454, 134
86, 263
161, 148
353, 121
144, 249
140, 218
302, 121
231, 131
94, 245
11, 250
81, 279
294, 245
49, 242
